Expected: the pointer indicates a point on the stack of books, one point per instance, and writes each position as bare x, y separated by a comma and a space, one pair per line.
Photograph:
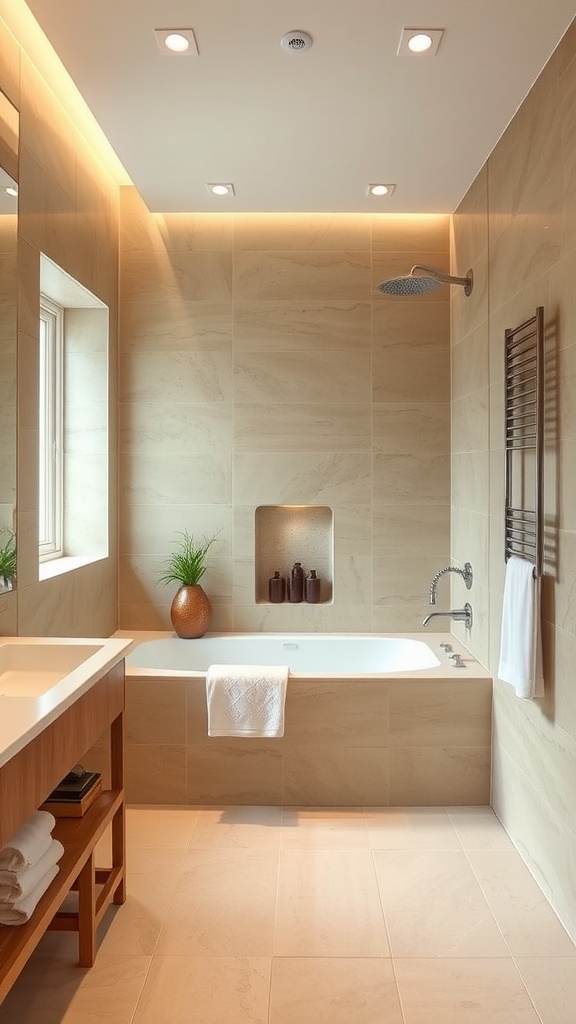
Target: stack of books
74, 795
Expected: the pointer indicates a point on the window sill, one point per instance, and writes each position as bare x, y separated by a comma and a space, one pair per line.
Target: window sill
59, 566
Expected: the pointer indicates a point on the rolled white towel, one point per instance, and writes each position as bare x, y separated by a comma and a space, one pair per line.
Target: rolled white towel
29, 844
22, 910
16, 885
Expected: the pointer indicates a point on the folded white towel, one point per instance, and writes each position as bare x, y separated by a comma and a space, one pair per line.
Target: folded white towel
16, 885
22, 910
246, 700
521, 641
29, 844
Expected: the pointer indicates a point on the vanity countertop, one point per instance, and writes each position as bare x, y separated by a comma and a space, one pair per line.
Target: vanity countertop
25, 716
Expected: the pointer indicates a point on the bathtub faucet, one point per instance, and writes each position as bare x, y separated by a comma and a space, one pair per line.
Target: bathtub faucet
458, 614
465, 573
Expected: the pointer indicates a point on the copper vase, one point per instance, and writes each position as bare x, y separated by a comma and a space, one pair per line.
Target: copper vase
190, 612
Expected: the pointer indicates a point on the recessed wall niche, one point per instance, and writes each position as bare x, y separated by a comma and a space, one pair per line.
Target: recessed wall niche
294, 533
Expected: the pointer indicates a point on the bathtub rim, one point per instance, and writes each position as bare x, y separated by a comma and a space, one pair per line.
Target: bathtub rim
473, 670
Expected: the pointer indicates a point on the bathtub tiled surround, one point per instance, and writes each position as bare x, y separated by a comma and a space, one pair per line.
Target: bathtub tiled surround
516, 228
261, 367
264, 915
416, 739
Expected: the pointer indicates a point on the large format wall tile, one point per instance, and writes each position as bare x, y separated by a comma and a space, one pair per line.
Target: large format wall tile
305, 427
198, 276
299, 232
301, 479
320, 775
411, 233
302, 377
402, 429
439, 775
301, 275
296, 326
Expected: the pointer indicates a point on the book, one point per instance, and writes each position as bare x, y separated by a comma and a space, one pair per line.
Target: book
74, 787
73, 807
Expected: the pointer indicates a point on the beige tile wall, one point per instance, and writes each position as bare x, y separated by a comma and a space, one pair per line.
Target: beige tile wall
517, 228
259, 366
68, 209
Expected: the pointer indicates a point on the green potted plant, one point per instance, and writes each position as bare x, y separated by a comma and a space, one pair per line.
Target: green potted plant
190, 610
7, 559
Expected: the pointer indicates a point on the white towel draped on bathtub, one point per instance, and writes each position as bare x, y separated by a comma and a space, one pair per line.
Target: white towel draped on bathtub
246, 700
520, 644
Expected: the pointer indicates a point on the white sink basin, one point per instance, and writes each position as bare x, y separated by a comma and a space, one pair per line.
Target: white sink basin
29, 670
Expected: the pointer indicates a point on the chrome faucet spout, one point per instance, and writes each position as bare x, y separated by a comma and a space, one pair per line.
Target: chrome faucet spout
458, 614
465, 573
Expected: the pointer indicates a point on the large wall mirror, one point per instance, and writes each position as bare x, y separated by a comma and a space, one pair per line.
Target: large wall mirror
8, 338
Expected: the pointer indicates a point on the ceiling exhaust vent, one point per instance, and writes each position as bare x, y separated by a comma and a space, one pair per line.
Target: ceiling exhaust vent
296, 42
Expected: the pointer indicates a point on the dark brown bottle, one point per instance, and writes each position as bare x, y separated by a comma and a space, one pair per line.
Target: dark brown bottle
276, 588
312, 588
296, 583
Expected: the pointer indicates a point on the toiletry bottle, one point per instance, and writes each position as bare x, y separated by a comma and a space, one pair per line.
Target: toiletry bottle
296, 583
276, 588
312, 588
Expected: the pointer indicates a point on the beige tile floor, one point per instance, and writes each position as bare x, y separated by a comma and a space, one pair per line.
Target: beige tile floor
258, 915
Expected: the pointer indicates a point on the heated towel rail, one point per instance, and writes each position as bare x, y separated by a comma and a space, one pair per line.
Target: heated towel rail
524, 440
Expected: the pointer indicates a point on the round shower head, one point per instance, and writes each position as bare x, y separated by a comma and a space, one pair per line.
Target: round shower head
426, 281
409, 285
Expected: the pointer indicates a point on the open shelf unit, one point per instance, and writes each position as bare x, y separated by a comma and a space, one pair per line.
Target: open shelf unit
67, 739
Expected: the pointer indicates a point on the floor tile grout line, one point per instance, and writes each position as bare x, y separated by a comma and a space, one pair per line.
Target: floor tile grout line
526, 989
485, 898
388, 938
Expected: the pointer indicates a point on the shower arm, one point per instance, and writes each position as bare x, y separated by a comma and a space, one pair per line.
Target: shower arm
465, 573
466, 282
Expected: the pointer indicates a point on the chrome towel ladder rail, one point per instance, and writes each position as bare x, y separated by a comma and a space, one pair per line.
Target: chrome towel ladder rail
524, 440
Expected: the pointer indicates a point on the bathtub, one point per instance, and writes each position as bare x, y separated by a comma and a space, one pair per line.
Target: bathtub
370, 720
307, 654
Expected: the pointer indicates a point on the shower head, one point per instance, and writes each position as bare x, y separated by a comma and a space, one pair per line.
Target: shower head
418, 284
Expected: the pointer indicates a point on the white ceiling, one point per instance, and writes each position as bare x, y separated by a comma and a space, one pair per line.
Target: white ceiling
305, 131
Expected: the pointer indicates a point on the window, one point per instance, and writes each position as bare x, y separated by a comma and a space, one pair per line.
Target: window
73, 424
51, 429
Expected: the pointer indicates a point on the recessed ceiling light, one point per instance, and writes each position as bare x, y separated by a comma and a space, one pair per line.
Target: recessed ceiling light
10, 191
296, 42
379, 189
419, 42
178, 42
220, 188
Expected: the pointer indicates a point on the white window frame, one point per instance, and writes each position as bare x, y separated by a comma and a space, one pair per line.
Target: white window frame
51, 430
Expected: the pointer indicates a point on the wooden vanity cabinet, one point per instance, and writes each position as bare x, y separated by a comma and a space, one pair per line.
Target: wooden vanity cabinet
25, 782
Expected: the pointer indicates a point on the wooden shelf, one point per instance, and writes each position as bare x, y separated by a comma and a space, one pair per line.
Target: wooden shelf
77, 869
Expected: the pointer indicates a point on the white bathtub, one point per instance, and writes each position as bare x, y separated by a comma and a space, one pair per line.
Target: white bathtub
307, 654
369, 720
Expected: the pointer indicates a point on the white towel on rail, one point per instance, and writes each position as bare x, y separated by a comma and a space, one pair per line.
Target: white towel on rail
520, 641
246, 700
16, 885
30, 842
22, 910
